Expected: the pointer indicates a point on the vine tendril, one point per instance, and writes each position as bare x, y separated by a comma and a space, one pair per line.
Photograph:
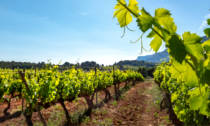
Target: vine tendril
129, 29
123, 32
137, 39
142, 47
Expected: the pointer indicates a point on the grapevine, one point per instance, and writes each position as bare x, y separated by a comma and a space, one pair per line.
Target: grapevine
48, 86
186, 79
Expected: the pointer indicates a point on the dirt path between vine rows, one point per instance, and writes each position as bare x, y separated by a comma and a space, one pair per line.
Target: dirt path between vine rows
139, 106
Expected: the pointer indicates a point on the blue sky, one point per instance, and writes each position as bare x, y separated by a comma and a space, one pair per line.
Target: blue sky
68, 30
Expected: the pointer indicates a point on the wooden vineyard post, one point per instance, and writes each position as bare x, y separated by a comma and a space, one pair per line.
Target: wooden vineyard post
21, 94
96, 89
126, 81
35, 72
22, 97
115, 88
27, 88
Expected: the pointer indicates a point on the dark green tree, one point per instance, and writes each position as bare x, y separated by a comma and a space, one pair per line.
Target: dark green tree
143, 71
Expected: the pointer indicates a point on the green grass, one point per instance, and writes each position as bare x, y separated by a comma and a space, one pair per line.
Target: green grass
131, 67
156, 93
1, 101
166, 119
114, 103
55, 117
107, 68
100, 111
156, 115
86, 120
124, 66
106, 122
148, 79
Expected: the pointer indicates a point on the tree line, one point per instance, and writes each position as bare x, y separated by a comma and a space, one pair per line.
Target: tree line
42, 65
147, 71
87, 65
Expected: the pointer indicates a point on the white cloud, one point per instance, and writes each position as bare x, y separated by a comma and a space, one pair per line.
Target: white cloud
203, 25
82, 13
207, 16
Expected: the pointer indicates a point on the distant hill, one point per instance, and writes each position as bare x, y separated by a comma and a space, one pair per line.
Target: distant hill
140, 58
154, 58
135, 63
204, 38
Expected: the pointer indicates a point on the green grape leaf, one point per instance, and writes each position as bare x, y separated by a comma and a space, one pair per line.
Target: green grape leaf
168, 23
161, 12
174, 97
151, 34
206, 46
206, 76
188, 74
193, 61
133, 6
200, 71
207, 63
144, 12
208, 21
208, 96
207, 32
204, 107
176, 48
190, 77
182, 67
196, 102
174, 72
199, 101
145, 20
123, 15
156, 43
165, 33
192, 44
162, 17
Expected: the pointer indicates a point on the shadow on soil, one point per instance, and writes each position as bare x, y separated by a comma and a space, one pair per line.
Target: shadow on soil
8, 116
